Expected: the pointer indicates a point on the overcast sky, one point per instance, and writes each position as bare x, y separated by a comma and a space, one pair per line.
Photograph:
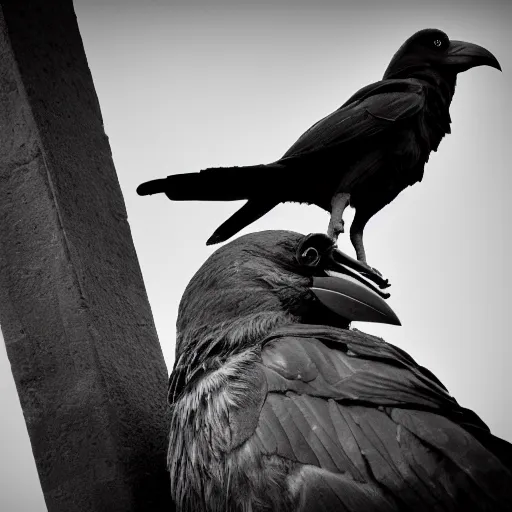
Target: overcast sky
188, 85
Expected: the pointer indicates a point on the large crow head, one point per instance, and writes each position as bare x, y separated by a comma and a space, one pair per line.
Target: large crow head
275, 277
431, 49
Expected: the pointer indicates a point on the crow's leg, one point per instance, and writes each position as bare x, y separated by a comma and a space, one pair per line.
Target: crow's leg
364, 212
356, 236
336, 224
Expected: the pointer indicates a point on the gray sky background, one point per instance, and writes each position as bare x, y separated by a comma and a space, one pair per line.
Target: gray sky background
189, 85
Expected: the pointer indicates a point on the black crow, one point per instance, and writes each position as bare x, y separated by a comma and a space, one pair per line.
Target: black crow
277, 405
363, 154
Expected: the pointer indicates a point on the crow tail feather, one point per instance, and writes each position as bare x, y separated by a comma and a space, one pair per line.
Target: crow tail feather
250, 212
214, 184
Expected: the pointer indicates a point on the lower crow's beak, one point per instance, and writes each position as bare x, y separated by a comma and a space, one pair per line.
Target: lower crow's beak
351, 299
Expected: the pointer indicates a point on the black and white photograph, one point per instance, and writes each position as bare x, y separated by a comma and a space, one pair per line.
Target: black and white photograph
254, 256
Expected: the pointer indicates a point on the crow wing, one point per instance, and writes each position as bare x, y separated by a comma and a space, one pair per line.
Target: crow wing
374, 110
360, 426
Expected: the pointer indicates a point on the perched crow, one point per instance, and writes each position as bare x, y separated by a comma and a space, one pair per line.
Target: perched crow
363, 154
276, 405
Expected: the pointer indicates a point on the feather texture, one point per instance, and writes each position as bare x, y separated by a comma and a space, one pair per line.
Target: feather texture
318, 416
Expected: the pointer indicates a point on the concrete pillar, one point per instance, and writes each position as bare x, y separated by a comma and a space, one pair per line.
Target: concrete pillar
76, 320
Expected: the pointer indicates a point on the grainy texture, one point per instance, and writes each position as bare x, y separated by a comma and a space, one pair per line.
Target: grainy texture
73, 308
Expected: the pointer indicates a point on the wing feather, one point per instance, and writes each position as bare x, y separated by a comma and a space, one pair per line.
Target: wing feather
366, 428
353, 372
319, 418
374, 112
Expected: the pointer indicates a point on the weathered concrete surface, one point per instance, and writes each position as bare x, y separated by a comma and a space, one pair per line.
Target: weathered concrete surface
73, 309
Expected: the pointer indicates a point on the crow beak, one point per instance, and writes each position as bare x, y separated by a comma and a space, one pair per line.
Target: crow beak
344, 285
351, 299
463, 56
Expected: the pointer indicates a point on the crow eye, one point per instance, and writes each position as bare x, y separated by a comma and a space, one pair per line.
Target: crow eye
438, 43
312, 248
310, 257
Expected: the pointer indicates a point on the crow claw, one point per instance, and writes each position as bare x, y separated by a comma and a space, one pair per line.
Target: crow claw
374, 275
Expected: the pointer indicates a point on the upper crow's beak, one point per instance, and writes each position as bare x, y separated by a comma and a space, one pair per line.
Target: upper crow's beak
342, 284
463, 56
